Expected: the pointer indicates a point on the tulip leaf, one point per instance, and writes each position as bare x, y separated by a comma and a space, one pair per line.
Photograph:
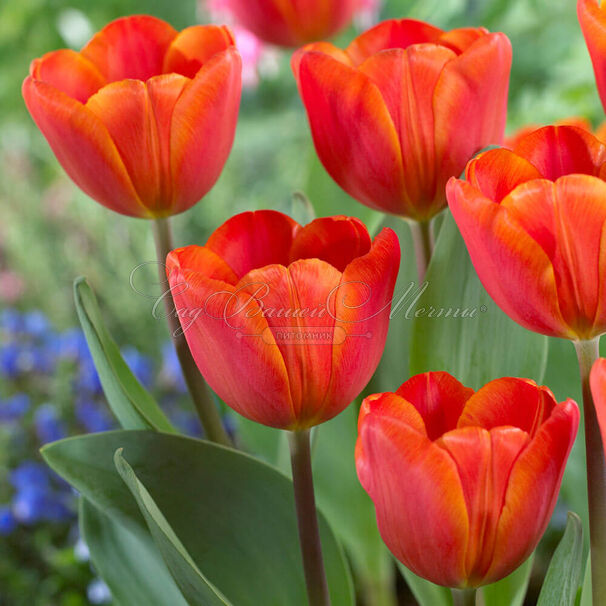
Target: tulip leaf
563, 577
511, 590
233, 514
347, 506
459, 329
126, 558
426, 593
195, 587
586, 596
132, 404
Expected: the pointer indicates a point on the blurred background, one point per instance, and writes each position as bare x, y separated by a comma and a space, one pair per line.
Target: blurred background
50, 233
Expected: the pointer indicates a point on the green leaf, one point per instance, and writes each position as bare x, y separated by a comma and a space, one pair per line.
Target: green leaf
511, 590
348, 508
195, 586
126, 558
586, 597
563, 577
426, 593
476, 342
233, 514
132, 404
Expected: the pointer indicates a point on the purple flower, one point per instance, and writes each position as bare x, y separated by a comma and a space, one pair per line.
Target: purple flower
171, 369
30, 474
36, 324
14, 407
11, 321
140, 365
93, 417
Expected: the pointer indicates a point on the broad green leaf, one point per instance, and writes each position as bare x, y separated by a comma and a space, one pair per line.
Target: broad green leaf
195, 586
233, 514
349, 509
126, 558
511, 590
132, 404
563, 577
472, 339
426, 593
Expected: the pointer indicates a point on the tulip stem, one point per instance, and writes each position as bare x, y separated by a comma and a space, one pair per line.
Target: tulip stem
588, 353
464, 597
421, 238
307, 518
200, 394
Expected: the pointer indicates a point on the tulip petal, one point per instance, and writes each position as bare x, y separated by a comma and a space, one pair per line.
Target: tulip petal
130, 47
391, 34
326, 48
295, 303
68, 71
83, 147
218, 320
336, 240
593, 23
484, 461
534, 484
407, 79
470, 103
459, 40
413, 481
362, 304
254, 239
598, 391
561, 150
514, 269
353, 132
138, 116
439, 398
194, 46
204, 126
498, 171
520, 403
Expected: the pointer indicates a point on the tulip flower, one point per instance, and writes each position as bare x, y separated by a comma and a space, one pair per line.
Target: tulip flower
286, 323
532, 220
403, 108
592, 17
291, 23
143, 117
464, 483
512, 140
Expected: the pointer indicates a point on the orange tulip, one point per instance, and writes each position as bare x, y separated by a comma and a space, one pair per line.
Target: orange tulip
533, 222
286, 323
464, 483
293, 22
404, 108
512, 140
592, 17
143, 118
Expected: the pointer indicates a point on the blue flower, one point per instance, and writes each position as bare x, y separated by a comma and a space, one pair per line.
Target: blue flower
98, 592
30, 474
36, 324
8, 523
140, 365
49, 425
14, 407
93, 416
171, 368
9, 360
11, 321
29, 505
88, 378
70, 344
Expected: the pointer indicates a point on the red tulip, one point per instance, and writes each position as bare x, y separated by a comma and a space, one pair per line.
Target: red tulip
463, 482
533, 222
598, 391
404, 108
592, 17
143, 118
286, 323
293, 22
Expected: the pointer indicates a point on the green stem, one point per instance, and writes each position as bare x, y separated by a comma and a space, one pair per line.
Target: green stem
464, 597
200, 394
307, 519
421, 238
588, 353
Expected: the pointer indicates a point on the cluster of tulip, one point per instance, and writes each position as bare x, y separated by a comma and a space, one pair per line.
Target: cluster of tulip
287, 323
